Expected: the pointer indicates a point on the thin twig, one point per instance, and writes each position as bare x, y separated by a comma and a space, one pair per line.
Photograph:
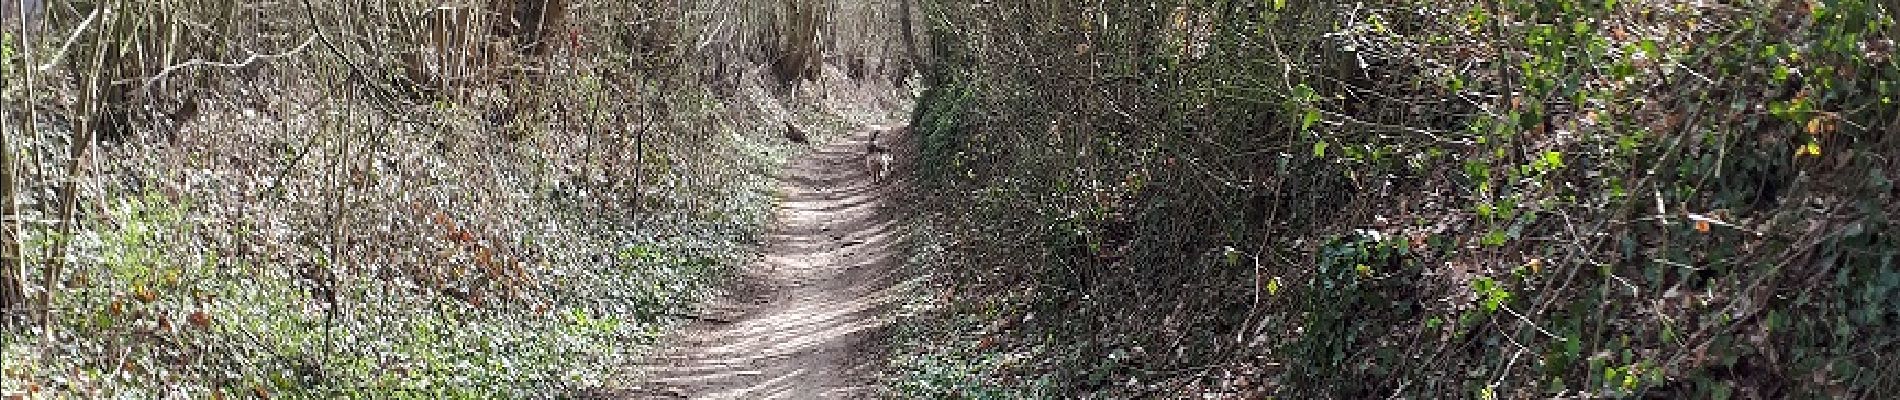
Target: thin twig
70, 38
384, 96
162, 74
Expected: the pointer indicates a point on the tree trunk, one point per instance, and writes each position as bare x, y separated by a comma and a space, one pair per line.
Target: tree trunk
910, 38
639, 167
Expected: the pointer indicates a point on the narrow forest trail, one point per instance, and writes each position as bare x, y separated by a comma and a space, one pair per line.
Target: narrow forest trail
805, 321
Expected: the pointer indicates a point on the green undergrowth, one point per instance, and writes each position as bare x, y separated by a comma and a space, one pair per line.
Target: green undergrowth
371, 215
544, 295
149, 310
946, 349
1514, 200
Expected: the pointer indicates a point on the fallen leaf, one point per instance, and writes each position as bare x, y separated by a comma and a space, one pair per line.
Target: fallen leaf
461, 236
199, 319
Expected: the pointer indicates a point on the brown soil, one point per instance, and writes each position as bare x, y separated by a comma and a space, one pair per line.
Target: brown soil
805, 322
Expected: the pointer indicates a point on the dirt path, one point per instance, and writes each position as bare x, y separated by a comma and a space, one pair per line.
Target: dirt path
804, 322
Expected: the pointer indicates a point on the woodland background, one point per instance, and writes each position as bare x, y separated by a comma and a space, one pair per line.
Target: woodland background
1117, 199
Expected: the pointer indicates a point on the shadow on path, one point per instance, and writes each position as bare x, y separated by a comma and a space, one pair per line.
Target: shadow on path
803, 322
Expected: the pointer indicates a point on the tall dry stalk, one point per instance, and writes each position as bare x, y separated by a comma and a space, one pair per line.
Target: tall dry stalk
12, 277
13, 302
89, 101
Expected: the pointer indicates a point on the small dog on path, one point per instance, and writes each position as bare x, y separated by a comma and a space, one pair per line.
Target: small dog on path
877, 159
793, 134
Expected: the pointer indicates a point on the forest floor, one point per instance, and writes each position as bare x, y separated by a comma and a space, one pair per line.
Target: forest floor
805, 320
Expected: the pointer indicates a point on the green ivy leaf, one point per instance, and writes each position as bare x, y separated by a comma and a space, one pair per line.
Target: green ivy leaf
1553, 159
1319, 149
1495, 238
1303, 92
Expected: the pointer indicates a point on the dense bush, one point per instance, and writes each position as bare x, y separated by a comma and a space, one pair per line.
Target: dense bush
1530, 198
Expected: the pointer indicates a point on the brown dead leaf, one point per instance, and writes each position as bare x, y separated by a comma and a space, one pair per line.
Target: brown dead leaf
485, 259
460, 236
199, 319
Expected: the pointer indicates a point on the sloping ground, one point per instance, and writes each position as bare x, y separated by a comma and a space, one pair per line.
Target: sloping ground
1517, 199
296, 239
805, 321
327, 221
413, 312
